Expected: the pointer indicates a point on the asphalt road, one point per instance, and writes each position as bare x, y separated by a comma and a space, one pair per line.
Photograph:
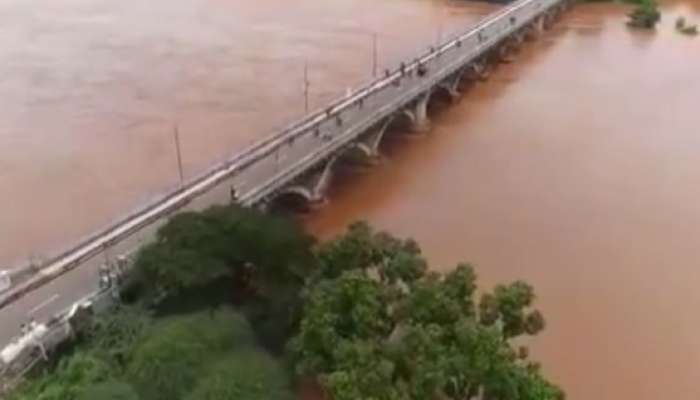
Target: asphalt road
47, 301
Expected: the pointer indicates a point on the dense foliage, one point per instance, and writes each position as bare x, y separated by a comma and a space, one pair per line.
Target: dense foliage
378, 325
264, 258
365, 316
645, 15
179, 357
260, 252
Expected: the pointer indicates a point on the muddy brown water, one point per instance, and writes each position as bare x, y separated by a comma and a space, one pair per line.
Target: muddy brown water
574, 168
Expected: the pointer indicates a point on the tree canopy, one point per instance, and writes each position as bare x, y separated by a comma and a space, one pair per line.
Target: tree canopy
195, 248
265, 259
174, 353
377, 325
646, 14
109, 390
244, 375
196, 356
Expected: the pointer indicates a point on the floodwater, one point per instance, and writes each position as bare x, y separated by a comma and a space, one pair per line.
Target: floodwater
573, 168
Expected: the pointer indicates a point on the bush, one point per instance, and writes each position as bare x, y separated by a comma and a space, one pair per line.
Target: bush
109, 390
646, 15
67, 380
167, 363
244, 375
127, 355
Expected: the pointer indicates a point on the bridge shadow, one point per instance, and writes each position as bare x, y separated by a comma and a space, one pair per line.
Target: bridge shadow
440, 102
289, 204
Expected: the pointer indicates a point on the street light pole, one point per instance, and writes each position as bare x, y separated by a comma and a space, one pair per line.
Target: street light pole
374, 54
306, 87
441, 17
176, 137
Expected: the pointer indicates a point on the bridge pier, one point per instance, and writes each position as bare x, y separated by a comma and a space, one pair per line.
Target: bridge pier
505, 52
451, 86
314, 187
548, 19
480, 69
561, 8
511, 46
535, 29
369, 144
418, 113
519, 37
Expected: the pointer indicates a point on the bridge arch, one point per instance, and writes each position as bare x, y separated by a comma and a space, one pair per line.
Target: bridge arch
449, 88
369, 143
309, 190
295, 198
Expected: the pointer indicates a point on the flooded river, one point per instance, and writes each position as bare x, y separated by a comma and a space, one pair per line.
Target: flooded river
574, 168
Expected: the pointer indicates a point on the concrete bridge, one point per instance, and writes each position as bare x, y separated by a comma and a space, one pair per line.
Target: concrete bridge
298, 163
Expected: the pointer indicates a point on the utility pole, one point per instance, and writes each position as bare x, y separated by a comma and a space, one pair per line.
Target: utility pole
105, 251
176, 136
277, 159
441, 14
374, 54
306, 87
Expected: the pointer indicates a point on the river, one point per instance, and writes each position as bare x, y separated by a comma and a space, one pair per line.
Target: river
573, 168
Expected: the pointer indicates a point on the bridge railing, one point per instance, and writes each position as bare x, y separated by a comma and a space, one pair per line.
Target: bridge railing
351, 116
278, 159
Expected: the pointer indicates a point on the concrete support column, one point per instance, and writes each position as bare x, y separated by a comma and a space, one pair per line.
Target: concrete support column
321, 182
556, 13
536, 28
370, 143
421, 122
370, 153
519, 38
451, 86
480, 69
505, 52
547, 20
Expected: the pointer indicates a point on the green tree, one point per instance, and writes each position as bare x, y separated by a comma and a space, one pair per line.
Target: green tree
260, 251
376, 325
645, 15
247, 374
112, 335
109, 390
265, 258
129, 355
67, 380
170, 359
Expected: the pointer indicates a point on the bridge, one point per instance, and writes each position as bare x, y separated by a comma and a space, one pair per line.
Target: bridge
299, 161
